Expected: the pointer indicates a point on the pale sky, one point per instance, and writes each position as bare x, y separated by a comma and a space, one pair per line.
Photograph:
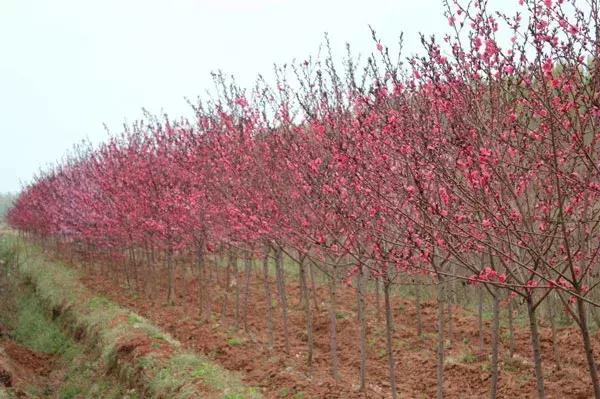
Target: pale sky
68, 66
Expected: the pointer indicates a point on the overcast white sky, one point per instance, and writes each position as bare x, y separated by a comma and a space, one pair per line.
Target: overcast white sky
67, 66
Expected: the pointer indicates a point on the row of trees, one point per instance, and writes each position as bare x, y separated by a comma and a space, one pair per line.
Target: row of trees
476, 160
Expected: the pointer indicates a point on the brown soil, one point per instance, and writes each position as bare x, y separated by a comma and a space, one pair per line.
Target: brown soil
21, 367
39, 363
280, 375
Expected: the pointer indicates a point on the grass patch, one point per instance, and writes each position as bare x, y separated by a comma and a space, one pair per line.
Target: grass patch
342, 315
85, 379
468, 358
515, 364
32, 326
291, 393
36, 331
169, 379
7, 393
69, 392
235, 341
169, 373
98, 302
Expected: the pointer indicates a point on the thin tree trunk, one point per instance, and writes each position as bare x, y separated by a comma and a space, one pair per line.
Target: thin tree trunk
450, 321
389, 328
126, 273
282, 296
495, 344
333, 327
537, 352
551, 318
134, 267
307, 312
511, 329
312, 286
363, 328
230, 261
419, 310
236, 282
171, 278
248, 272
587, 345
201, 281
268, 299
480, 318
207, 287
440, 348
377, 299
451, 299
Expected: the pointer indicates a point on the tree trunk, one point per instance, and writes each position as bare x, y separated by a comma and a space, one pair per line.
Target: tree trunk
307, 312
134, 267
126, 274
363, 328
282, 296
201, 281
537, 352
495, 344
389, 328
480, 318
236, 283
268, 299
587, 345
335, 362
419, 310
171, 278
313, 289
377, 299
230, 261
511, 329
247, 272
450, 321
551, 318
440, 348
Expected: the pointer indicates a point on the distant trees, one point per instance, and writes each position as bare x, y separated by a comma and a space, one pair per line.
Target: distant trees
6, 202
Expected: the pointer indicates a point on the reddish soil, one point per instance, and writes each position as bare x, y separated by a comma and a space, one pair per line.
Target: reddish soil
280, 375
38, 363
21, 367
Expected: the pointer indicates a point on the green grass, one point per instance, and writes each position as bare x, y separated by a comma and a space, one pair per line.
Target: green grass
515, 364
69, 392
36, 331
342, 315
199, 368
7, 393
32, 326
86, 379
291, 393
235, 341
468, 358
105, 326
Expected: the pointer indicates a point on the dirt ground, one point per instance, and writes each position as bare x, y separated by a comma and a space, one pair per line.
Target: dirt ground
37, 361
21, 368
287, 376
